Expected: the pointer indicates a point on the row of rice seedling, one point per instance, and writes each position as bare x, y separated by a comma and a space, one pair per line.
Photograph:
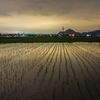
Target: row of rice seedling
46, 61
60, 61
76, 55
73, 51
56, 50
57, 68
85, 77
42, 66
70, 62
94, 47
63, 61
15, 72
66, 80
53, 68
92, 53
81, 58
77, 80
89, 60
78, 83
50, 61
45, 77
66, 62
91, 75
40, 57
9, 56
57, 75
8, 67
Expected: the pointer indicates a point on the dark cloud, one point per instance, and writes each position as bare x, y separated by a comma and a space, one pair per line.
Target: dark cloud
76, 8
5, 15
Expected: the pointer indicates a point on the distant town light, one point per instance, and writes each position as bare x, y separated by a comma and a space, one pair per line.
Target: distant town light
88, 35
73, 35
59, 35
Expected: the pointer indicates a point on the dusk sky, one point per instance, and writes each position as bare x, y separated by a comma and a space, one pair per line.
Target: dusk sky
49, 16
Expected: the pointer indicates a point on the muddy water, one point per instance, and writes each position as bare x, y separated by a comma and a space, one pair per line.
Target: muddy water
47, 71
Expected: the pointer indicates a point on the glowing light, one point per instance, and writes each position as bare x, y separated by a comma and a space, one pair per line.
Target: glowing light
73, 35
88, 35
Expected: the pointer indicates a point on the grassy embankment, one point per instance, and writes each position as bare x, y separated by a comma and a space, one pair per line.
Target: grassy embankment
53, 39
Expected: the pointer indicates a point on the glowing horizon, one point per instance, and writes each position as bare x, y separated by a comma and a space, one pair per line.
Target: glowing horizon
44, 16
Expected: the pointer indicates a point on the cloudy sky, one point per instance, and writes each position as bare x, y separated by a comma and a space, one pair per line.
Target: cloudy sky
49, 16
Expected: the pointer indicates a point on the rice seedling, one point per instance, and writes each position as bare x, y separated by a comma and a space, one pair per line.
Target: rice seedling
22, 65
53, 66
71, 64
54, 91
63, 84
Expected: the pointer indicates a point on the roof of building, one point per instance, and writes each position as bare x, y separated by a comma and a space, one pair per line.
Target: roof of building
30, 34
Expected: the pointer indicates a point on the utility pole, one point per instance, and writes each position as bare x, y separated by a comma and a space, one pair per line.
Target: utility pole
63, 29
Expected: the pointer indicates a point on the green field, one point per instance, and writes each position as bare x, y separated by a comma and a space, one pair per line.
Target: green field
51, 39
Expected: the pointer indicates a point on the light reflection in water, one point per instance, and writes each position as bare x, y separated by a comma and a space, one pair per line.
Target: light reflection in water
50, 71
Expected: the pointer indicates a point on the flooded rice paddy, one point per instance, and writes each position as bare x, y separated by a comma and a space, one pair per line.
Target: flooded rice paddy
50, 71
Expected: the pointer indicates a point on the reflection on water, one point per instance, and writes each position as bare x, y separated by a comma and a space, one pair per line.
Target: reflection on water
47, 71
